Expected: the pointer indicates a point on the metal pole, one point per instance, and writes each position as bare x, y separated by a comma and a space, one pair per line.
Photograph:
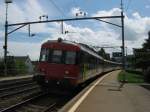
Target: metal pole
62, 27
29, 32
126, 52
123, 49
5, 46
70, 19
123, 44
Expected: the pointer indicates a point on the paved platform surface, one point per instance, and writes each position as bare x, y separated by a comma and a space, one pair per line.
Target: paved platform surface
14, 77
107, 96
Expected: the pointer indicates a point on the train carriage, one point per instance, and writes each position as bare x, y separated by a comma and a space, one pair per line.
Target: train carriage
67, 64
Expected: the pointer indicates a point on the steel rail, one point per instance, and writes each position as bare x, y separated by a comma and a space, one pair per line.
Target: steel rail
50, 107
11, 108
18, 92
15, 86
13, 82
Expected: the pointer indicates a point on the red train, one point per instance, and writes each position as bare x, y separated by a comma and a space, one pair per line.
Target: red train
67, 64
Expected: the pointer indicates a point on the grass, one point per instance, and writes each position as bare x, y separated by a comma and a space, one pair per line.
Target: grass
131, 77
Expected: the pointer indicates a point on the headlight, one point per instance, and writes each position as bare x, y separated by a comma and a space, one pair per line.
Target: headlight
66, 72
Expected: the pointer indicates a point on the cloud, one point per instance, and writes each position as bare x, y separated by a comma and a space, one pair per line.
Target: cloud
112, 12
22, 49
31, 10
89, 36
136, 28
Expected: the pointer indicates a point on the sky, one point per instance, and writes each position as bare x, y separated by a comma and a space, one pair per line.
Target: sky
91, 32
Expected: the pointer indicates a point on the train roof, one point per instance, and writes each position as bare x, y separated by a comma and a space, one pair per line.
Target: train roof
109, 61
83, 47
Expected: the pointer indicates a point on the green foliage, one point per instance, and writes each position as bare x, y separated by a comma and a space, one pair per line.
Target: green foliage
142, 59
134, 71
103, 54
131, 77
142, 56
146, 45
14, 67
1, 68
20, 66
147, 75
10, 66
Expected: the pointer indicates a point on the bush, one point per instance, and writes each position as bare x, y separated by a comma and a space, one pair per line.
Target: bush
130, 77
1, 68
134, 71
147, 75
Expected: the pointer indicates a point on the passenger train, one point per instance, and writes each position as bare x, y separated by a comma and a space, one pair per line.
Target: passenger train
68, 64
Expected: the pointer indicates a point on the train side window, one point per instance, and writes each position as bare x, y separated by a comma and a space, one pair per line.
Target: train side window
56, 56
70, 57
78, 57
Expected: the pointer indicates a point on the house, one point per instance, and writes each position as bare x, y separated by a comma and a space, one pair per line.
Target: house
24, 61
35, 63
17, 65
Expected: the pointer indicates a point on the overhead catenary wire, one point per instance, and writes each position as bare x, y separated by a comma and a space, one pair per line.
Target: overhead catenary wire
128, 5
63, 14
74, 2
58, 8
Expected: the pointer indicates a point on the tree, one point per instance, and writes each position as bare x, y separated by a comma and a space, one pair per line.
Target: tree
146, 45
101, 52
142, 55
105, 55
1, 68
143, 60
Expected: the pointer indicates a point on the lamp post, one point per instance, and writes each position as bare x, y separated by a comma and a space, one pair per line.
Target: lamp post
6, 36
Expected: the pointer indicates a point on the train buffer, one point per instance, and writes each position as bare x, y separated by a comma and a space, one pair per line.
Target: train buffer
108, 95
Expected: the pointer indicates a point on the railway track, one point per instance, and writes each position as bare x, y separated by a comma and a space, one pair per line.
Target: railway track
44, 102
16, 89
16, 86
5, 84
18, 92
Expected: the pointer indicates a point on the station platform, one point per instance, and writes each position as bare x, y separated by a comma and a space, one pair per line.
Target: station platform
106, 94
3, 79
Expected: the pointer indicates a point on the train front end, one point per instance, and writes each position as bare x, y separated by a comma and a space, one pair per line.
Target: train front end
58, 65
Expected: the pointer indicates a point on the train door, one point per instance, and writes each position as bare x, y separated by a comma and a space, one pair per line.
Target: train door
82, 66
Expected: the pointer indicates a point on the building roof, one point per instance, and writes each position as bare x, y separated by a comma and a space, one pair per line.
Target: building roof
21, 57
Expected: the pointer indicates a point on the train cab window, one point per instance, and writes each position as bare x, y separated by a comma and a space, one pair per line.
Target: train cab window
56, 56
70, 57
44, 55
